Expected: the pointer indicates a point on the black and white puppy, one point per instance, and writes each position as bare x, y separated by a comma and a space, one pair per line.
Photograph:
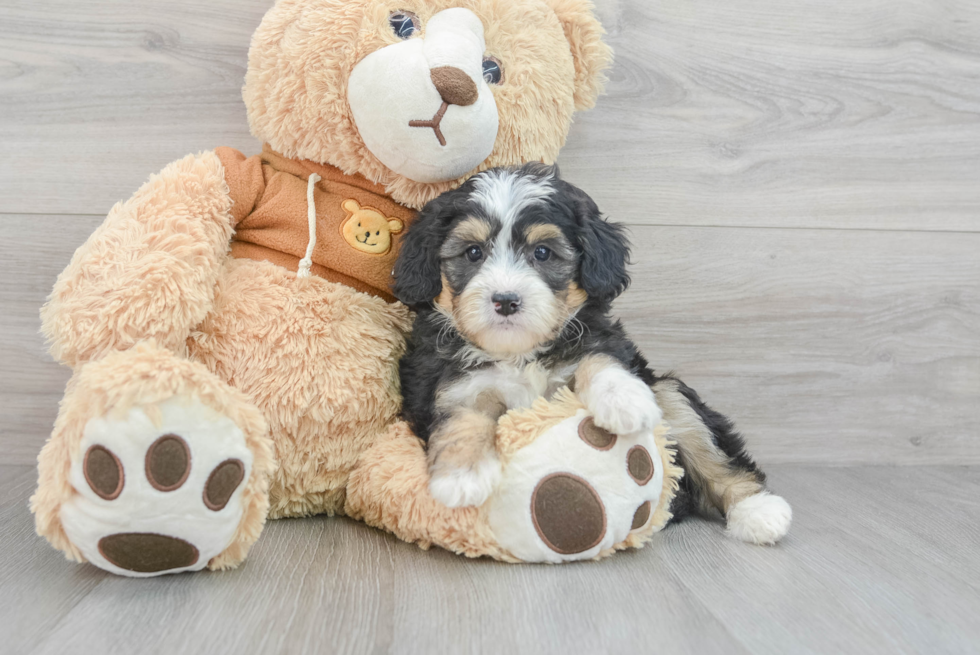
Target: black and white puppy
512, 276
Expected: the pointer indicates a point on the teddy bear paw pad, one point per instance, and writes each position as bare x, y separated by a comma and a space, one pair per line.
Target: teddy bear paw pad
577, 490
157, 495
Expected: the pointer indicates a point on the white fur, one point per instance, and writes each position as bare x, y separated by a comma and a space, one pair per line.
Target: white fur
211, 438
466, 487
392, 86
560, 449
760, 519
505, 336
503, 194
621, 402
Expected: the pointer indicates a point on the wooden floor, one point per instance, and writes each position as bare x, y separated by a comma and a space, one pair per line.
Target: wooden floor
802, 182
880, 560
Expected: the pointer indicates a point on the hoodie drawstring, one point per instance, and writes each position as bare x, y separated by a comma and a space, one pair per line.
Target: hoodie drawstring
307, 261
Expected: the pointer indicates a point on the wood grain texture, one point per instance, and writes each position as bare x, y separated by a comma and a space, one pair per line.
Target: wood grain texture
833, 346
859, 573
34, 249
824, 113
96, 96
821, 113
836, 347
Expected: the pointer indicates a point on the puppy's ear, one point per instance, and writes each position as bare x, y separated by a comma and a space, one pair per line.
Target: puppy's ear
605, 249
417, 274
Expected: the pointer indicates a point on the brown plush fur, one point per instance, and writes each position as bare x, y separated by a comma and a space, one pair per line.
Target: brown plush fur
389, 490
304, 364
149, 271
141, 377
304, 51
319, 360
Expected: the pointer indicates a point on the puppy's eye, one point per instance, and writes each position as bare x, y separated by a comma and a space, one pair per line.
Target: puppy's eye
542, 254
474, 253
404, 24
493, 71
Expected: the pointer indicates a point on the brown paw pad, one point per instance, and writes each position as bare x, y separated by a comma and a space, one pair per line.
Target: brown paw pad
639, 465
103, 472
145, 552
595, 436
168, 462
642, 515
222, 482
568, 513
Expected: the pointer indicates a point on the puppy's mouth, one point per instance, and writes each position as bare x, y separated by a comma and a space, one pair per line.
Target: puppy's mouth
434, 123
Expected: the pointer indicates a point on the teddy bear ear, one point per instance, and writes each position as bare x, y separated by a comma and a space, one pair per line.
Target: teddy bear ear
591, 55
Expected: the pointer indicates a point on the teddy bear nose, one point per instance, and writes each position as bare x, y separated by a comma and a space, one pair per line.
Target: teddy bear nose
455, 86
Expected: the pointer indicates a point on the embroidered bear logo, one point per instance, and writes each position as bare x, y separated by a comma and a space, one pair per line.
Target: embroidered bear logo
367, 229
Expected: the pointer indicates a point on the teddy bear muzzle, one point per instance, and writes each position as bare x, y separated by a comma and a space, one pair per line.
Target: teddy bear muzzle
435, 83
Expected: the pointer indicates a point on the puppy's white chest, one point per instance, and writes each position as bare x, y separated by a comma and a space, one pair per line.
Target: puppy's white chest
516, 386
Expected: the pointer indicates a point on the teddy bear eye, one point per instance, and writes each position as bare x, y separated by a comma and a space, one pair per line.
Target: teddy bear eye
404, 24
493, 72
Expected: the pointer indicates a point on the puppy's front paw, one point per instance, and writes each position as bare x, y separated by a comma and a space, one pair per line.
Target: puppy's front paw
621, 402
465, 487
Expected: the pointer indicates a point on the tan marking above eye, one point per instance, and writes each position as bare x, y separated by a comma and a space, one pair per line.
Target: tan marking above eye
472, 229
542, 232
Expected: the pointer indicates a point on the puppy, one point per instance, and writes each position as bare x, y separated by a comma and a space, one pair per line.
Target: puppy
512, 276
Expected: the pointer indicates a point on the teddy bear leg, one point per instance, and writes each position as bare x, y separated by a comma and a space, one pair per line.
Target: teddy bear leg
154, 466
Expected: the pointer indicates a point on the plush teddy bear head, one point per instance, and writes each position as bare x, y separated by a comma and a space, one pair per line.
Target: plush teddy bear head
421, 94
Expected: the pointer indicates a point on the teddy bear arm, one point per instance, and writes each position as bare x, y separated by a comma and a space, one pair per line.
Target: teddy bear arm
149, 271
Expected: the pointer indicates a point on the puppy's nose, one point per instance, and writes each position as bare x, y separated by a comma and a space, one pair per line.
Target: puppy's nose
454, 86
506, 303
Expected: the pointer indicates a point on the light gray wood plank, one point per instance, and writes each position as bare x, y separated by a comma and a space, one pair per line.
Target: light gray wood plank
38, 587
836, 584
445, 604
825, 114
94, 97
829, 346
825, 346
854, 576
34, 249
883, 500
309, 586
817, 113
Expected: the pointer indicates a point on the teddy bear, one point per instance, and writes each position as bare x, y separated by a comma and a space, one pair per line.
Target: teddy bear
569, 490
231, 329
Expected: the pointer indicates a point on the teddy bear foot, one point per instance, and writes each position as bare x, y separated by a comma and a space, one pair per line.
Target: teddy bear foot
157, 496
